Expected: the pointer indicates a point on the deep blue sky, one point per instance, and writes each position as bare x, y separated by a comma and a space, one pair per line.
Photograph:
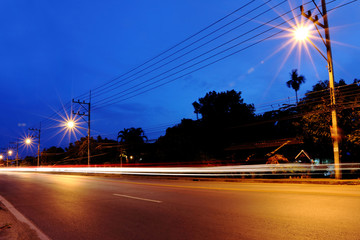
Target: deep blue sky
53, 51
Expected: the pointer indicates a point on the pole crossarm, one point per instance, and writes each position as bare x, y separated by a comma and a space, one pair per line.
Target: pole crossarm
82, 104
38, 131
81, 115
315, 19
316, 22
35, 130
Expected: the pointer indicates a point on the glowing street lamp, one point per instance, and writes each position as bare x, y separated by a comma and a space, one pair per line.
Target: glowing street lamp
301, 33
28, 141
70, 124
9, 153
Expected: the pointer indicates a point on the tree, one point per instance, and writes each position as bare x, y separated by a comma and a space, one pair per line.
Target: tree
196, 106
132, 135
295, 82
226, 107
52, 155
77, 153
315, 124
133, 140
181, 143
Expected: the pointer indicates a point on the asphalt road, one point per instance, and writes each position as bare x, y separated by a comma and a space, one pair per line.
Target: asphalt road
82, 207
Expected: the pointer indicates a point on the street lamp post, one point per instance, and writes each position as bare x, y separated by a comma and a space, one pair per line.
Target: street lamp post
328, 58
38, 137
17, 151
87, 107
9, 153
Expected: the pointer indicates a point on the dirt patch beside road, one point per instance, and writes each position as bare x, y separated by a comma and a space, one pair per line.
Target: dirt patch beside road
12, 229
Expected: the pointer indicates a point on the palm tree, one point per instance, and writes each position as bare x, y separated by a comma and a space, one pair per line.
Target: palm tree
132, 139
132, 135
295, 82
197, 107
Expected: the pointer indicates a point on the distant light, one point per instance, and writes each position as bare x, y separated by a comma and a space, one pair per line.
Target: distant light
28, 141
1, 157
301, 33
10, 152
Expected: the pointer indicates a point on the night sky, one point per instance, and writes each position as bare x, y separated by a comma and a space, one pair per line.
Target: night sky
54, 51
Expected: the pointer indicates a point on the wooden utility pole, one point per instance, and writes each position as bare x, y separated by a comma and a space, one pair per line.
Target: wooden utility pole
334, 127
87, 107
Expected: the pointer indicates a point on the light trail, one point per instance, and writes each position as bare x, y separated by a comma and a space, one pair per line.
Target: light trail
260, 170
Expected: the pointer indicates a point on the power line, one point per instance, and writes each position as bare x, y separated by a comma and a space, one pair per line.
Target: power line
190, 44
117, 96
139, 91
176, 45
68, 105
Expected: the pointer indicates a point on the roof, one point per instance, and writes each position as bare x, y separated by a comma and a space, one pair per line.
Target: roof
302, 152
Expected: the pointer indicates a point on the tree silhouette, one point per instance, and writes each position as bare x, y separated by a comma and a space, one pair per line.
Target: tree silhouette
197, 107
132, 135
314, 124
295, 82
226, 107
132, 140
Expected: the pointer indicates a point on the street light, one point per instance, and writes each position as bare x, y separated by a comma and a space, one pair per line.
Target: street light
70, 124
302, 33
28, 141
36, 134
328, 58
9, 153
16, 146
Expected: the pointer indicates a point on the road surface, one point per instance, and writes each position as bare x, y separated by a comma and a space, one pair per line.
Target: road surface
86, 207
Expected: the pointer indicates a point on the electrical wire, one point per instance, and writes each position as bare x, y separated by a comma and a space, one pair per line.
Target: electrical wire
139, 91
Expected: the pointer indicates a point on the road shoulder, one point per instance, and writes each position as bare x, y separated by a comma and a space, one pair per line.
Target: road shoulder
13, 228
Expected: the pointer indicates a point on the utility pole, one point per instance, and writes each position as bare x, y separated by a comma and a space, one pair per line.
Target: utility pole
17, 154
7, 158
2, 155
87, 107
37, 135
9, 152
17, 151
334, 127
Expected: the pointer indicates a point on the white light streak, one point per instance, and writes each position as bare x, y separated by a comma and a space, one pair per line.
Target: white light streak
323, 170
